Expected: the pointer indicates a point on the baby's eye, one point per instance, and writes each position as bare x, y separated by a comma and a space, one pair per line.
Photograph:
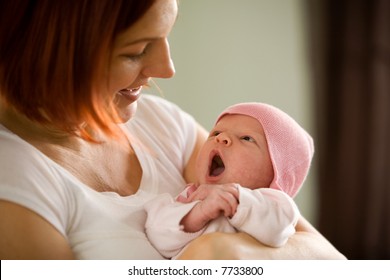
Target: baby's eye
248, 138
215, 133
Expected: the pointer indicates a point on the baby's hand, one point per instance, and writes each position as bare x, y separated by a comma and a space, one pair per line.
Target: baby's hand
201, 192
216, 200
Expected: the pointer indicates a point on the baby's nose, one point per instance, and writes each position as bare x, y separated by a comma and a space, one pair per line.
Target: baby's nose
223, 138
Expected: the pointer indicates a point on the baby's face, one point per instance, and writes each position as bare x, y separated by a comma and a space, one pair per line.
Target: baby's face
236, 152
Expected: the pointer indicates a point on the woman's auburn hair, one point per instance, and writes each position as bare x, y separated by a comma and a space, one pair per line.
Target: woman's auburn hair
53, 54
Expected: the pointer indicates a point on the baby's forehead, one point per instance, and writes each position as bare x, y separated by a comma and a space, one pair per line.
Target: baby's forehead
239, 122
236, 117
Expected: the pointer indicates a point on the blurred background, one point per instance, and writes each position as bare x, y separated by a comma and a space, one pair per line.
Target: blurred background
324, 62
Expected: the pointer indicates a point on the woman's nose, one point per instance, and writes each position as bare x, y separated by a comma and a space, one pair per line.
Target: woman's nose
224, 139
160, 64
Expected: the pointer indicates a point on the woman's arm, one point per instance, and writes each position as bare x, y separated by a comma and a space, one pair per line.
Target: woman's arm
26, 235
306, 243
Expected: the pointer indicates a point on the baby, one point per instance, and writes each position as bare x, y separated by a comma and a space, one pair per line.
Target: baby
254, 162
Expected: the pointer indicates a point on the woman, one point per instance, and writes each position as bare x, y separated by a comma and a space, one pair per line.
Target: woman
81, 151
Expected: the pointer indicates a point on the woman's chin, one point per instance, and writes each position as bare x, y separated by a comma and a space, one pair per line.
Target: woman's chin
127, 113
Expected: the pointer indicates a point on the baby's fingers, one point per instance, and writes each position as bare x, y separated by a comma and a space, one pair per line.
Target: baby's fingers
212, 209
200, 193
232, 204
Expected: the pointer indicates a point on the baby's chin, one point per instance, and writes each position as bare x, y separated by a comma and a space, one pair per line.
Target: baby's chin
213, 180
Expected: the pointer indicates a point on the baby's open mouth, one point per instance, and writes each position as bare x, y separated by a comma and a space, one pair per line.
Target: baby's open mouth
217, 167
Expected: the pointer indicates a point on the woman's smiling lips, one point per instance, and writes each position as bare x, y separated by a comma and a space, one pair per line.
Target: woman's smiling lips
131, 94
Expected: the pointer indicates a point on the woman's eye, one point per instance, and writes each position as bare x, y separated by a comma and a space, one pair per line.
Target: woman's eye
248, 138
136, 57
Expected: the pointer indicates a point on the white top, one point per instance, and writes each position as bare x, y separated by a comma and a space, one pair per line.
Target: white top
268, 215
102, 225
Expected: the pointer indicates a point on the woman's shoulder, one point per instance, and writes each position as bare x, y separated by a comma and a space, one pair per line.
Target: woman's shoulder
18, 158
25, 170
14, 150
23, 167
28, 178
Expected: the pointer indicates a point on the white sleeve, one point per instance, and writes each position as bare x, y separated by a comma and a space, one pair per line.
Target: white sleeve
28, 178
163, 227
268, 215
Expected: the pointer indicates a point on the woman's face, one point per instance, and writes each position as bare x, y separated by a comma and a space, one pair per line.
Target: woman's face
236, 152
140, 53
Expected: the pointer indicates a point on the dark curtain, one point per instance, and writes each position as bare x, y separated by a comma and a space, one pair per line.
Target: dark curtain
350, 47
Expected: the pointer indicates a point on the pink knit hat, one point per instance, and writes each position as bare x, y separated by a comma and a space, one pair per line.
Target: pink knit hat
291, 147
